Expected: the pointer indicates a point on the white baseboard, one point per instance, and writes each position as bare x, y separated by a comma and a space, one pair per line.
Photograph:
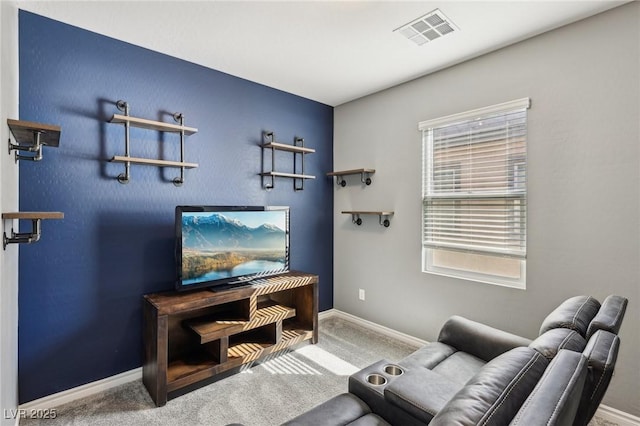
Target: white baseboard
609, 414
616, 417
405, 338
83, 391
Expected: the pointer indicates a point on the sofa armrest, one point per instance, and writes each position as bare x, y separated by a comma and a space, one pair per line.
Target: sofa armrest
421, 393
480, 340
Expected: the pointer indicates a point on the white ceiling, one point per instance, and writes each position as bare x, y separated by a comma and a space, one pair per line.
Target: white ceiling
328, 51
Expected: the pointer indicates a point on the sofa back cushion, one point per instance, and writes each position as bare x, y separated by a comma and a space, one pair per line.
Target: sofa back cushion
575, 313
480, 340
601, 353
494, 395
552, 341
609, 317
555, 399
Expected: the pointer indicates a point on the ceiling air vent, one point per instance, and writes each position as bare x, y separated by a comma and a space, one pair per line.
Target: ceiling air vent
427, 28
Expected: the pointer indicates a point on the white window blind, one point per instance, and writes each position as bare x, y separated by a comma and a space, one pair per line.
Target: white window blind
474, 181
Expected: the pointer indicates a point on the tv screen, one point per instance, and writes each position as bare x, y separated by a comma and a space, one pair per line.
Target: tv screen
223, 245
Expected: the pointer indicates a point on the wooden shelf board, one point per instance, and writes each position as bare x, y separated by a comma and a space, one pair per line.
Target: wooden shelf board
23, 132
152, 125
287, 147
286, 281
269, 313
252, 351
382, 213
351, 172
33, 215
152, 162
287, 175
172, 303
200, 365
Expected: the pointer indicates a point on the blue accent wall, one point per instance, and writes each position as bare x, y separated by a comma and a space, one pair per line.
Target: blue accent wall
81, 285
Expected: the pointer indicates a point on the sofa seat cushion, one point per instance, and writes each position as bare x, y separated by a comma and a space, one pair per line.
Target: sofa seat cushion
366, 420
551, 342
421, 393
340, 410
427, 356
494, 395
574, 313
459, 367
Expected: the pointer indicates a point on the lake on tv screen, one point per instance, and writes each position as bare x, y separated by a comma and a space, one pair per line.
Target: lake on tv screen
248, 268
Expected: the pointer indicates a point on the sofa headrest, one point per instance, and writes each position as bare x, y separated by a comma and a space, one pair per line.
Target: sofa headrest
575, 313
494, 395
555, 399
552, 341
609, 317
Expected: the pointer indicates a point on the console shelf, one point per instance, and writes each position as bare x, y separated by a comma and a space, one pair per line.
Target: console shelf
190, 337
200, 365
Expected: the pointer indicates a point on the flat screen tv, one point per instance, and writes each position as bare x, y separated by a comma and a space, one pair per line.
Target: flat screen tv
230, 245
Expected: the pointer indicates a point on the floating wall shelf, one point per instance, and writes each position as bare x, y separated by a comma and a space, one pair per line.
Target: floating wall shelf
299, 151
30, 137
160, 126
383, 216
364, 175
27, 237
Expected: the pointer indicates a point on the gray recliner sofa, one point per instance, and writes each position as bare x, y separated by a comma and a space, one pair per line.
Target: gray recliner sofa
475, 374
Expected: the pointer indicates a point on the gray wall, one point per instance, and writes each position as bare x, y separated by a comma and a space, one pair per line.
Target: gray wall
8, 202
584, 187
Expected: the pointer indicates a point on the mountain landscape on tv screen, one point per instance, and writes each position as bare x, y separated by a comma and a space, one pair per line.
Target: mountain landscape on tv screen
216, 246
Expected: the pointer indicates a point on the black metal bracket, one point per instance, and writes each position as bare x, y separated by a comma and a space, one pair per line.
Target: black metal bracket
23, 237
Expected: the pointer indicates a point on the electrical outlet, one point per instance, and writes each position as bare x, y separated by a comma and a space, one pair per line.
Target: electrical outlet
361, 294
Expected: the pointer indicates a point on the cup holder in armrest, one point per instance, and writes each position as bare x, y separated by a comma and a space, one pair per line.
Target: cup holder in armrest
376, 379
393, 370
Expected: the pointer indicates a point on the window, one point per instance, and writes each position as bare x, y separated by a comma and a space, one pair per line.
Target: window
474, 196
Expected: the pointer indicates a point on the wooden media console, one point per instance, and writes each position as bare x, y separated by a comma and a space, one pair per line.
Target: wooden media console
190, 337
